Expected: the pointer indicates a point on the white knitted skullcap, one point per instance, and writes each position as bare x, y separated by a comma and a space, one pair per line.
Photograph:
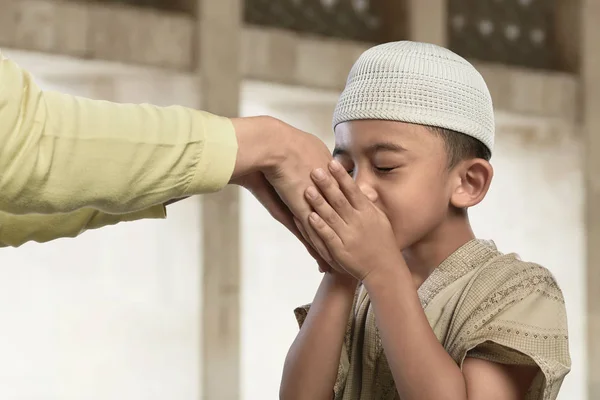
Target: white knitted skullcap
418, 83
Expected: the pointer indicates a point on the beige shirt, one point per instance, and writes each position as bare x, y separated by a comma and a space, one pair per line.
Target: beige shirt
95, 163
480, 303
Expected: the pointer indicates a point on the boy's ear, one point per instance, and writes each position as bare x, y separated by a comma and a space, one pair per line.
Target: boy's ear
473, 178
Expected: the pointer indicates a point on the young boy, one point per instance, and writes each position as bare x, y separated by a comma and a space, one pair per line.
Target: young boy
417, 308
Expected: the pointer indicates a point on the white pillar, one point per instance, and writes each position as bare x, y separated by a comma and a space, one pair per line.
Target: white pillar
219, 27
427, 21
590, 85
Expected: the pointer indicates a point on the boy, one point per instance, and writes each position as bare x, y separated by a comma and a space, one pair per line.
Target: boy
417, 308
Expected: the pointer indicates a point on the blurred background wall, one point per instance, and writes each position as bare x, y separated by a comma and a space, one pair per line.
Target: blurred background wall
200, 305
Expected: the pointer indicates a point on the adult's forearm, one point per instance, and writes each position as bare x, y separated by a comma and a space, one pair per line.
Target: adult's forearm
60, 153
421, 367
311, 365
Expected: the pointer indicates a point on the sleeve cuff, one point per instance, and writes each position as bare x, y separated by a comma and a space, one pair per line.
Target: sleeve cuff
155, 212
218, 155
16, 230
301, 313
102, 219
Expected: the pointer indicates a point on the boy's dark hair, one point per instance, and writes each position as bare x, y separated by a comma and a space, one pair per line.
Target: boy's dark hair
461, 147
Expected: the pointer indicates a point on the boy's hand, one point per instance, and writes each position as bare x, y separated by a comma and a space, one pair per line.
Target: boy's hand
358, 235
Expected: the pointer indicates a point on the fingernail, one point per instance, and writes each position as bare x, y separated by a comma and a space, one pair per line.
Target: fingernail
314, 217
335, 165
319, 174
312, 192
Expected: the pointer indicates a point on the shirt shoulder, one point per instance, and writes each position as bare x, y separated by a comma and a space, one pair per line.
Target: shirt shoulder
509, 272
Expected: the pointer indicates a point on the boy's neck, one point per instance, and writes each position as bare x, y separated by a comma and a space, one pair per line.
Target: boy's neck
427, 254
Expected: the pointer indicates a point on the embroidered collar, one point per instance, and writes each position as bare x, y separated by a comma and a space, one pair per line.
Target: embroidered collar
469, 256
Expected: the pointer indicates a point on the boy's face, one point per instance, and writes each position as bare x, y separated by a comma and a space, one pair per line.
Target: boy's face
402, 169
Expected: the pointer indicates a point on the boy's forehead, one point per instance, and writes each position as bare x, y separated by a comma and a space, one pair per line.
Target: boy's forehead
361, 134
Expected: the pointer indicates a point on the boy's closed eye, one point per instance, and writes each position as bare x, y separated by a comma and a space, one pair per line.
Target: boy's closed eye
385, 169
383, 158
379, 170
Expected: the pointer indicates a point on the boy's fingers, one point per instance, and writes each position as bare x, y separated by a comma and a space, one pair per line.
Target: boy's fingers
347, 185
317, 244
332, 193
331, 239
325, 211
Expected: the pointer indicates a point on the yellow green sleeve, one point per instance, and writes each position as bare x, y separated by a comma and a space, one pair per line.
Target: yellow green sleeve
60, 153
16, 230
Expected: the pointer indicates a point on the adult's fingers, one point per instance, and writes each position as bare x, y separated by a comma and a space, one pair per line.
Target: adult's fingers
323, 265
262, 190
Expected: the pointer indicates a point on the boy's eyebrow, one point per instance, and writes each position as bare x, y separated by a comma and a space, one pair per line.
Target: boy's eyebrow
373, 148
385, 146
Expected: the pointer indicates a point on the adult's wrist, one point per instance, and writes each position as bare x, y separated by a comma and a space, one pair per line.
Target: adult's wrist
262, 144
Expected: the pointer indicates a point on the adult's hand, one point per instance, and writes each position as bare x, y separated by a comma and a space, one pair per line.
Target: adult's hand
284, 157
262, 190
